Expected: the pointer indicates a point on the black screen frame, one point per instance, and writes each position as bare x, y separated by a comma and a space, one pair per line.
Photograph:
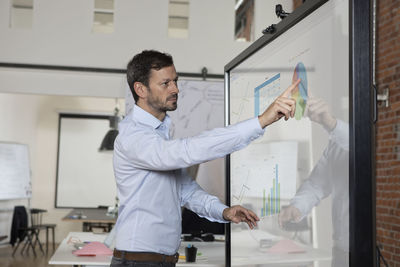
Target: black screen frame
361, 120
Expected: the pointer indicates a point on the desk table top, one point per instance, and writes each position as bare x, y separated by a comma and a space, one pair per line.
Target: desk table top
213, 253
63, 255
210, 254
90, 215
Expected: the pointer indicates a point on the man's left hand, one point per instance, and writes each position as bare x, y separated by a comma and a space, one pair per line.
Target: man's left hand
239, 214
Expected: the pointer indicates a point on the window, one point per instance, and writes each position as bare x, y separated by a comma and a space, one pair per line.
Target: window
244, 18
21, 16
103, 19
178, 19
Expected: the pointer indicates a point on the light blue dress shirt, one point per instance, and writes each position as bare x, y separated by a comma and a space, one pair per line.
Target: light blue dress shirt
152, 183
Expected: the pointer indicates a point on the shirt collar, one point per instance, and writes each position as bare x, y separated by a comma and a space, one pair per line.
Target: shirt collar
145, 117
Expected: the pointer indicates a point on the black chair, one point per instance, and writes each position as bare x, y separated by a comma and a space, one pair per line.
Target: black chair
36, 219
22, 233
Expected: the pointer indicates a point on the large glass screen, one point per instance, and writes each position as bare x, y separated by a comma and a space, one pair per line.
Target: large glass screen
295, 177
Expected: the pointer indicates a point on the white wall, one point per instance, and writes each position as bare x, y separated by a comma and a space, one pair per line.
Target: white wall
61, 83
61, 35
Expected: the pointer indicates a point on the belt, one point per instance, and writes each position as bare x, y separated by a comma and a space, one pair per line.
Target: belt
145, 256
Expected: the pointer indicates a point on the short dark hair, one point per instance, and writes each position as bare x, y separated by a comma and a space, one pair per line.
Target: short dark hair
139, 68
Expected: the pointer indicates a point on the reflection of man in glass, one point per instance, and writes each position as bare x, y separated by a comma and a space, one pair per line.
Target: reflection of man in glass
329, 177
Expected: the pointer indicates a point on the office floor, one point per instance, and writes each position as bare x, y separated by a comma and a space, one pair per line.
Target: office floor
6, 260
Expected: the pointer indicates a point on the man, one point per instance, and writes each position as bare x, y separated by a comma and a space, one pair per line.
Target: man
330, 176
150, 168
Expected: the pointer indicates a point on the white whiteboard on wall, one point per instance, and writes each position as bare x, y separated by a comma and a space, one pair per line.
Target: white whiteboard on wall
85, 177
15, 179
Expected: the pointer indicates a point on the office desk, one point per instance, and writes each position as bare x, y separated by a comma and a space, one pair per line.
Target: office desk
91, 218
213, 253
63, 255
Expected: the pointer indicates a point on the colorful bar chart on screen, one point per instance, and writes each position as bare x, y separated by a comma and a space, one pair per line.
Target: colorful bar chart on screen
300, 93
269, 180
271, 203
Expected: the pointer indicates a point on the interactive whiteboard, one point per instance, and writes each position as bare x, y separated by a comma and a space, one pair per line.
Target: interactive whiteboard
295, 177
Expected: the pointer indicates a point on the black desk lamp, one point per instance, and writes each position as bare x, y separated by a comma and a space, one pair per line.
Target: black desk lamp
108, 141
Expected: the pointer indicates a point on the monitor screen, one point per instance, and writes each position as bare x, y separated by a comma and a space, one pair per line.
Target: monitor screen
194, 226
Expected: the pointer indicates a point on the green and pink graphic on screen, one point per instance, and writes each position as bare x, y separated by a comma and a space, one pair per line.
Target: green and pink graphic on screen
300, 93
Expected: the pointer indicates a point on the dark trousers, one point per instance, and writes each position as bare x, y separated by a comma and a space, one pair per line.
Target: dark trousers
118, 262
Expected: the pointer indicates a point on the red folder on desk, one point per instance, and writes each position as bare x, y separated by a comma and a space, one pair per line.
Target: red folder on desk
93, 249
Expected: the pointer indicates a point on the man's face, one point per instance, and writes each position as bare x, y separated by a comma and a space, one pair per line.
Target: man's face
163, 89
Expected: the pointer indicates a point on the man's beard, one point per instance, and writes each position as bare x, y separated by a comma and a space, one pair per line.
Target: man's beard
158, 105
175, 105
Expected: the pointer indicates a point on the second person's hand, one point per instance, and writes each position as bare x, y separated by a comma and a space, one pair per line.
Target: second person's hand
289, 214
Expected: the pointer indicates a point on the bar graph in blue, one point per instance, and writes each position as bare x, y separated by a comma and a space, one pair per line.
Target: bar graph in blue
271, 203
